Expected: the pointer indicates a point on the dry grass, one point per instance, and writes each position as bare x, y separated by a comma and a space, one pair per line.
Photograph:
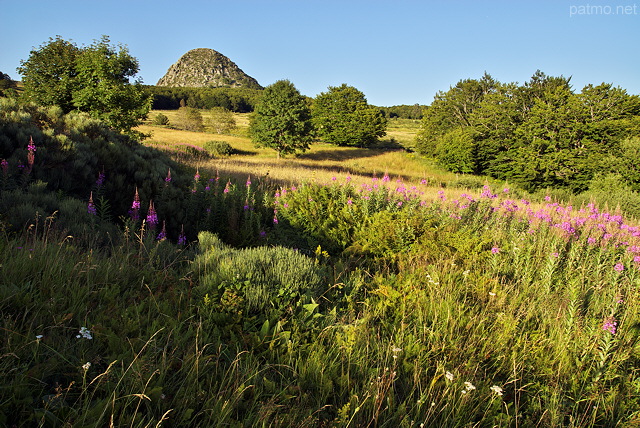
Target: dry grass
321, 163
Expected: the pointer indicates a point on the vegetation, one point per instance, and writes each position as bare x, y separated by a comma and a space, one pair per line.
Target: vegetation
92, 79
7, 86
539, 135
239, 100
189, 119
415, 111
147, 285
282, 120
343, 117
221, 120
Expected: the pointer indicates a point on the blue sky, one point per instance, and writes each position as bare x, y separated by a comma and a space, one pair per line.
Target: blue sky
395, 51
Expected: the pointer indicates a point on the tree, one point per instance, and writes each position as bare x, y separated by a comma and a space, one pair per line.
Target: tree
189, 119
343, 117
93, 79
7, 86
221, 120
282, 120
49, 75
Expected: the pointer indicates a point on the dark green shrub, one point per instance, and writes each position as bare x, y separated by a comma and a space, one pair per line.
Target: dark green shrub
161, 119
218, 148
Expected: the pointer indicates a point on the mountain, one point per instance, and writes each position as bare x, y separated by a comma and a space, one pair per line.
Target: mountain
207, 68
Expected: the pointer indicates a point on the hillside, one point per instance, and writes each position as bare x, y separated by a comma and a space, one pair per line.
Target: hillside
206, 68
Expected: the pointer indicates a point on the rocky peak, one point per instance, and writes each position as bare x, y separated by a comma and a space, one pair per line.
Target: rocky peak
207, 68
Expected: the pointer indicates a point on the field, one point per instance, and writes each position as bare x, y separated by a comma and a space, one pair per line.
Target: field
321, 163
339, 288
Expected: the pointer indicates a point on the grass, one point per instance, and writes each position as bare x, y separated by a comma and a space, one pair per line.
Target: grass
321, 163
426, 304
484, 312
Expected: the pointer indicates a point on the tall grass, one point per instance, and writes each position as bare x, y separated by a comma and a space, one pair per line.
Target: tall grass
469, 310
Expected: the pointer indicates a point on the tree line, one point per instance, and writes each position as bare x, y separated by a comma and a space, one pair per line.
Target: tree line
539, 134
239, 100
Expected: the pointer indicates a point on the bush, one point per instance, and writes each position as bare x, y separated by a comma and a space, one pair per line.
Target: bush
161, 119
263, 277
218, 148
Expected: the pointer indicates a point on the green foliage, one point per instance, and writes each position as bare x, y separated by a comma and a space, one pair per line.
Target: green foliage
49, 75
266, 278
218, 148
538, 135
281, 120
221, 120
343, 117
415, 111
456, 151
239, 100
189, 119
7, 86
92, 79
476, 310
161, 119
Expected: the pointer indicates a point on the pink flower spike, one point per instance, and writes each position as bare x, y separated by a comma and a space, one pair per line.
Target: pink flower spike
610, 325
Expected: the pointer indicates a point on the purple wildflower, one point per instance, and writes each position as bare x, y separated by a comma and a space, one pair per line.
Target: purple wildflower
619, 267
197, 176
152, 216
31, 153
610, 325
134, 212
495, 250
263, 234
91, 208
163, 233
100, 180
182, 239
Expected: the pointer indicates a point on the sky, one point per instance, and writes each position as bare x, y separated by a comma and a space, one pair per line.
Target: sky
394, 51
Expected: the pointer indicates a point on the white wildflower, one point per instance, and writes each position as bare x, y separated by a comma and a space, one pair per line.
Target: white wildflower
39, 336
496, 389
469, 386
449, 376
84, 333
86, 366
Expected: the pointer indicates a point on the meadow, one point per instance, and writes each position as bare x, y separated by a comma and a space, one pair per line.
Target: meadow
338, 288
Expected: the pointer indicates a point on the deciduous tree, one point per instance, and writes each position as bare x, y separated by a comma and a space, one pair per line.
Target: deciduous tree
343, 117
95, 79
282, 120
